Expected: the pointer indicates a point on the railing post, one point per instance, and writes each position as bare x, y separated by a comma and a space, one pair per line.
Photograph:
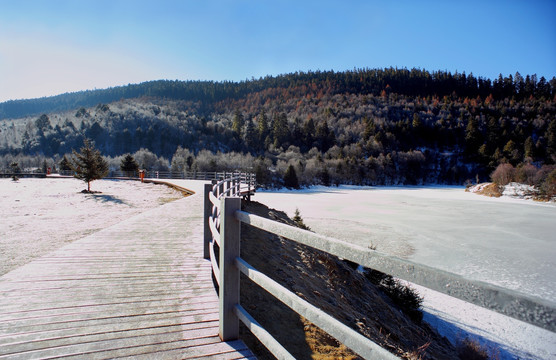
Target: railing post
207, 238
230, 229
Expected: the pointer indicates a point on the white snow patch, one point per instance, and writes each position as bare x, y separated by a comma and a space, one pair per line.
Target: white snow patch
521, 191
40, 215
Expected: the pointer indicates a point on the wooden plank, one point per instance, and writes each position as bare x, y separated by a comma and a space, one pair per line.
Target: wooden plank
112, 348
230, 350
153, 327
69, 345
85, 314
102, 307
140, 288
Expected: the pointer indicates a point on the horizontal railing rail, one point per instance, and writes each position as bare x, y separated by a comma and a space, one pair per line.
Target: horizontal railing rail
153, 174
223, 217
23, 175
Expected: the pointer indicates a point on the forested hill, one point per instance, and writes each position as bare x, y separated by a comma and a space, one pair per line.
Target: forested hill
366, 126
413, 82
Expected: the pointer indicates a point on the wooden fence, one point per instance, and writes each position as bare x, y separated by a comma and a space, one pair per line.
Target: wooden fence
222, 219
21, 175
152, 174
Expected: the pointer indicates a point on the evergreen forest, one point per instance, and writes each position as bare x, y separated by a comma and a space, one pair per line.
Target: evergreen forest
365, 126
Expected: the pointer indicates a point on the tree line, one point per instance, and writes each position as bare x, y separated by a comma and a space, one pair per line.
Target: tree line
414, 82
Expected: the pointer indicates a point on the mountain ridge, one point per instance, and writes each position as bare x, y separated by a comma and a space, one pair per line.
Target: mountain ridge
437, 83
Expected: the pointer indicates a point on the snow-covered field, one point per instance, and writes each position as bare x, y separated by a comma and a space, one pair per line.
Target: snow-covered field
40, 215
506, 241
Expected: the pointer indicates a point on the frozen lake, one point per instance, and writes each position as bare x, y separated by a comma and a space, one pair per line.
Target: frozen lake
504, 241
508, 242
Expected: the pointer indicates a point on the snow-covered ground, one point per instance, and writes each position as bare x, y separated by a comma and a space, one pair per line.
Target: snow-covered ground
40, 215
505, 241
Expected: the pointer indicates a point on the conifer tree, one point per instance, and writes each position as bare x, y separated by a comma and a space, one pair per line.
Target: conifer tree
129, 165
89, 165
249, 134
65, 164
280, 130
237, 123
262, 127
15, 170
290, 178
299, 220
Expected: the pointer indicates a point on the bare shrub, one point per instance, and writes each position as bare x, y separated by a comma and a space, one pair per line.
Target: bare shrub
526, 174
491, 190
503, 174
548, 187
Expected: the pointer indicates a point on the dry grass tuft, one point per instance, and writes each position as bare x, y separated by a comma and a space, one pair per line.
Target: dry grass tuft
324, 346
471, 350
167, 200
492, 190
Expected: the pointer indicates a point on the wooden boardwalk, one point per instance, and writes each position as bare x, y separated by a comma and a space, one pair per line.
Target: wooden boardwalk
139, 289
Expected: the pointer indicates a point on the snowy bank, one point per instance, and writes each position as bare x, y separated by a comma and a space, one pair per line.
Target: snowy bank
512, 190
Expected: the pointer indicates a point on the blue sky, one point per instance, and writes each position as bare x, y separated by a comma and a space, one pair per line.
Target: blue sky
52, 47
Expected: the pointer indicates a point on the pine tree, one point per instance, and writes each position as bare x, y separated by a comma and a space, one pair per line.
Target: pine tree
262, 128
89, 165
529, 148
249, 134
280, 130
65, 164
299, 220
473, 137
324, 177
15, 170
551, 136
129, 165
237, 123
309, 132
290, 178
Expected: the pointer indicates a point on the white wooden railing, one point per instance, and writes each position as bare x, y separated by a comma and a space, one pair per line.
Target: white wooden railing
223, 218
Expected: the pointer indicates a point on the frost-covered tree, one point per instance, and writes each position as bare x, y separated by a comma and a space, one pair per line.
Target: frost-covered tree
89, 165
150, 161
182, 160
